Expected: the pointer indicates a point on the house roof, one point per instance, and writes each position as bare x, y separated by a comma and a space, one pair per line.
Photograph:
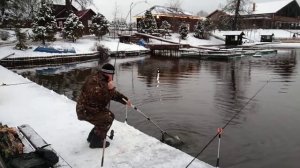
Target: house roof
270, 7
168, 11
81, 13
60, 11
215, 11
261, 7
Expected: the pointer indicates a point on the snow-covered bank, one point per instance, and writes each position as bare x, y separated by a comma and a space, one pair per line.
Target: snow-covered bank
84, 45
254, 35
53, 117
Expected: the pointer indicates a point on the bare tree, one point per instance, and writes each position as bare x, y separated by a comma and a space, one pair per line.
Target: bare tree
202, 13
176, 4
84, 3
115, 22
237, 7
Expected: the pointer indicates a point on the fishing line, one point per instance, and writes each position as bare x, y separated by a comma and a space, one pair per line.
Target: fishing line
117, 55
214, 137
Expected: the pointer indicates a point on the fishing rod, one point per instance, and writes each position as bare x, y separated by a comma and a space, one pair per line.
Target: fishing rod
172, 140
117, 55
4, 84
112, 132
214, 137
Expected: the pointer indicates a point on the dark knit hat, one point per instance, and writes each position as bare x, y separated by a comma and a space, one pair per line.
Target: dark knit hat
108, 68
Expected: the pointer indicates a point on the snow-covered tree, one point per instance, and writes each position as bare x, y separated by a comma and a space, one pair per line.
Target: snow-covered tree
199, 30
21, 37
99, 26
44, 25
73, 28
17, 11
203, 28
183, 30
148, 23
165, 25
237, 7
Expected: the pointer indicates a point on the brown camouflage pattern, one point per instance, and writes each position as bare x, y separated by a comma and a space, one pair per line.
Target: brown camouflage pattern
93, 101
10, 143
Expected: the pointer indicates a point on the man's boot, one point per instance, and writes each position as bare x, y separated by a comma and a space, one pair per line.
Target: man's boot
91, 134
97, 140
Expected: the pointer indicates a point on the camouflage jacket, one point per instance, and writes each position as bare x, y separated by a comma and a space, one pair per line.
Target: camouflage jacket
10, 143
95, 97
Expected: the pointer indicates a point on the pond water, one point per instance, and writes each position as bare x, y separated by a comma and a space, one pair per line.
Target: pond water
192, 98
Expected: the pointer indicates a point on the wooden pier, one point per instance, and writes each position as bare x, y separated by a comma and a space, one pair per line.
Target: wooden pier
24, 62
170, 50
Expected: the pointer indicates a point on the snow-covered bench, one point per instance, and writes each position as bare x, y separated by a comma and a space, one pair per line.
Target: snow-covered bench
32, 140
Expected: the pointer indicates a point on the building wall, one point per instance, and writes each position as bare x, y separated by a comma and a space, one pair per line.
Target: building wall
85, 21
175, 22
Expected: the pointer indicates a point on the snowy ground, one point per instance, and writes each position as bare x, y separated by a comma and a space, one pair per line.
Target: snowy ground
53, 117
84, 45
87, 43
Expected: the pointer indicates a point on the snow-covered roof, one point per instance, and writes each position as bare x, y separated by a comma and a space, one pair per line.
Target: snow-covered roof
261, 7
270, 7
162, 10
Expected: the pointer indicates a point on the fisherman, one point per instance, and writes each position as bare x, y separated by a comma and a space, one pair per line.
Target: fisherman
92, 104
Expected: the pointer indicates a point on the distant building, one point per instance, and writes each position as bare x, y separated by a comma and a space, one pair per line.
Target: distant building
173, 16
61, 13
279, 14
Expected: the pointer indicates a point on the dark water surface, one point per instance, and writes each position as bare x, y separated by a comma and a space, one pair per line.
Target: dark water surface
192, 98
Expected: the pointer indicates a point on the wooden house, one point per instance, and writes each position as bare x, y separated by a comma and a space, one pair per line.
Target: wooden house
61, 12
173, 16
278, 14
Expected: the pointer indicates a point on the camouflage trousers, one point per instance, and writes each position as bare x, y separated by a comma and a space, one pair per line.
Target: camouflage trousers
102, 122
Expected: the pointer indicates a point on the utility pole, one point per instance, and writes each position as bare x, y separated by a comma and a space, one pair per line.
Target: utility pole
130, 10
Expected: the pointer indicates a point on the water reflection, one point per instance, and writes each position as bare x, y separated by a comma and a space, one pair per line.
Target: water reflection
192, 98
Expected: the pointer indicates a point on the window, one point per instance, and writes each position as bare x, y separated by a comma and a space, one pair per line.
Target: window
60, 24
89, 22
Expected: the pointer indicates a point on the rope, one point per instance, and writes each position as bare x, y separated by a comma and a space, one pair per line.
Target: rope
214, 137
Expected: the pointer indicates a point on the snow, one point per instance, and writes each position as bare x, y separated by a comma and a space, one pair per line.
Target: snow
82, 46
255, 34
53, 117
270, 7
162, 10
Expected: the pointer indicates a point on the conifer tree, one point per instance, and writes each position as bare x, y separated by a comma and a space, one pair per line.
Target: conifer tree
199, 30
44, 25
99, 25
21, 38
73, 28
183, 31
166, 27
148, 23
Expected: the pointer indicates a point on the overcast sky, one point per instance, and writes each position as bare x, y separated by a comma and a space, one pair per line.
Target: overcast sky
107, 7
